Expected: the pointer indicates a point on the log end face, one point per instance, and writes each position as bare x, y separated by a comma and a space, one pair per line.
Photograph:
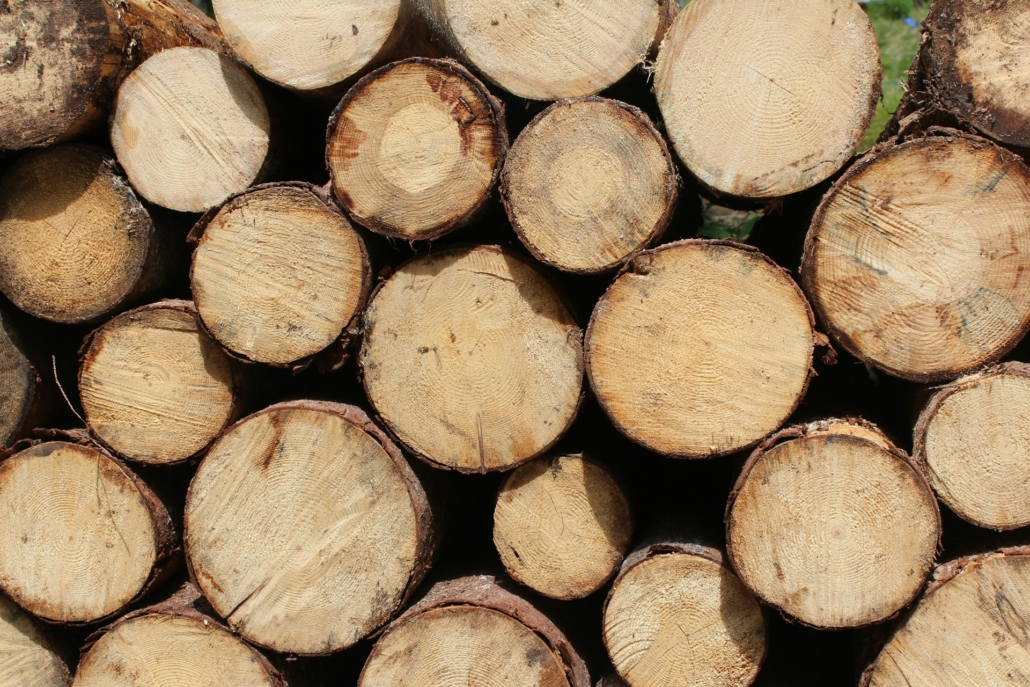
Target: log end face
29, 658
18, 382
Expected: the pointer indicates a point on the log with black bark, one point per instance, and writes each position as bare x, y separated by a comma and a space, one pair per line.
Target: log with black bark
833, 525
415, 148
155, 388
918, 258
471, 631
27, 658
83, 537
471, 359
61, 62
306, 529
279, 274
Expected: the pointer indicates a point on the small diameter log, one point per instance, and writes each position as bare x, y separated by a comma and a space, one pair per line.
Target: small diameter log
764, 100
973, 441
472, 360
306, 529
26, 657
21, 403
470, 631
918, 258
588, 183
279, 273
833, 525
550, 50
155, 387
562, 526
173, 644
415, 148
190, 128
969, 628
61, 62
677, 617
700, 348
82, 536
75, 242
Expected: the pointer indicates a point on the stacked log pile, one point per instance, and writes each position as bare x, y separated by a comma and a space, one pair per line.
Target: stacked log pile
384, 343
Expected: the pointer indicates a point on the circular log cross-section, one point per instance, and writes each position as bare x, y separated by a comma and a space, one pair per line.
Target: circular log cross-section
154, 386
81, 537
967, 630
190, 128
472, 359
26, 657
700, 348
562, 526
306, 529
74, 239
918, 259
472, 632
973, 440
549, 49
307, 47
19, 382
833, 525
677, 617
767, 99
589, 183
415, 148
279, 273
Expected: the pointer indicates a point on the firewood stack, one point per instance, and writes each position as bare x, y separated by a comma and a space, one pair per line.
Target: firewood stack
381, 343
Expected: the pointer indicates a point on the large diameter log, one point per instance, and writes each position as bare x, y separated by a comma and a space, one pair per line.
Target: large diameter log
917, 259
21, 403
415, 148
472, 360
279, 273
26, 657
968, 629
589, 183
306, 529
562, 526
76, 244
190, 128
548, 49
677, 616
972, 441
61, 62
82, 537
700, 348
155, 388
470, 631
764, 100
833, 525
173, 644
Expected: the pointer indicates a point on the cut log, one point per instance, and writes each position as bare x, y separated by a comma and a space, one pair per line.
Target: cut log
21, 403
967, 630
550, 49
470, 631
472, 360
764, 100
82, 537
589, 183
677, 616
736, 339
415, 148
75, 242
155, 387
26, 657
972, 440
61, 62
833, 525
191, 128
562, 526
918, 259
279, 273
310, 47
173, 644
306, 529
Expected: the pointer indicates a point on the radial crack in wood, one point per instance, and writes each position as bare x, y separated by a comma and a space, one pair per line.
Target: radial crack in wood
26, 656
